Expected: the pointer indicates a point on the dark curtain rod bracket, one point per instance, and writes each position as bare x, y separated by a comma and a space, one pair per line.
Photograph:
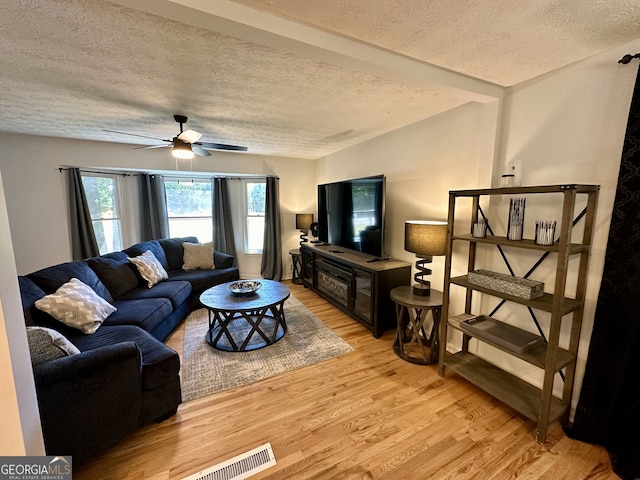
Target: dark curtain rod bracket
628, 57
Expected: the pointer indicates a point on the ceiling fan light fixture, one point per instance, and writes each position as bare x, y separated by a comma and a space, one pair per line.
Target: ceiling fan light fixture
187, 143
182, 150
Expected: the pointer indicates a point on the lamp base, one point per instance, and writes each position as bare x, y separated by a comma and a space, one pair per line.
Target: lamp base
421, 290
423, 286
303, 237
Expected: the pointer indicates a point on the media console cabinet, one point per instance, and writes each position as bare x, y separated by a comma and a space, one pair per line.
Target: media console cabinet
355, 284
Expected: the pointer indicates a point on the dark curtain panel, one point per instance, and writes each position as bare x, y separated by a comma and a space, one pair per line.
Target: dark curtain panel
608, 412
271, 267
223, 239
83, 238
154, 219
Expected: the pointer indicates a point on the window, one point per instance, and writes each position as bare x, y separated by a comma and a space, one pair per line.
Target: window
189, 208
103, 195
255, 196
365, 197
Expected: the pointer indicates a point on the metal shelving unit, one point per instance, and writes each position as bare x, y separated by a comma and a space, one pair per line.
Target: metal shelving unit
537, 404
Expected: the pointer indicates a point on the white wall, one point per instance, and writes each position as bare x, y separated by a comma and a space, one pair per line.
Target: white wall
20, 424
568, 127
37, 198
422, 162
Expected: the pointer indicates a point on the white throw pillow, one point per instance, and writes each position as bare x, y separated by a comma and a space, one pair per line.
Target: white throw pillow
76, 305
46, 344
149, 268
197, 256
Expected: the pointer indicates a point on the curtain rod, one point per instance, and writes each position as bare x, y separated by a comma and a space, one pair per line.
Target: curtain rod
60, 169
628, 57
177, 174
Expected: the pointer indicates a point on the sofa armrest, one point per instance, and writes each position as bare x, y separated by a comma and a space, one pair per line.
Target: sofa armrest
89, 401
223, 260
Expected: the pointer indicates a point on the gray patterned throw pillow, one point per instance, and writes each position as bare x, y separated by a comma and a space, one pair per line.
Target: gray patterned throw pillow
46, 344
149, 268
76, 305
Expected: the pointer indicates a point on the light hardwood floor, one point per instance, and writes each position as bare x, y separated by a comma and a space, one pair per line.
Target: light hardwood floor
364, 415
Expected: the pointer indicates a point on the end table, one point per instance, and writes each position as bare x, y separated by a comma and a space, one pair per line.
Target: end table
296, 275
414, 343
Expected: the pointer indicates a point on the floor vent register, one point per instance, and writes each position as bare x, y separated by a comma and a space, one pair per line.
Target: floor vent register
239, 467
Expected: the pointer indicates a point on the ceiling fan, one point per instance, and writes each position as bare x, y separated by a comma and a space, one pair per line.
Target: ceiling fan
185, 145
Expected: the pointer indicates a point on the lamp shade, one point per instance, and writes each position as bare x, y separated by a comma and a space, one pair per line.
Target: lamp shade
304, 221
425, 237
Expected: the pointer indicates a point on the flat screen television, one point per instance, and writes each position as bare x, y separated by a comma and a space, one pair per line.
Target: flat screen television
351, 214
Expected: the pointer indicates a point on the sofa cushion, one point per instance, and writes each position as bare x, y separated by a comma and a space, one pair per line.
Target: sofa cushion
200, 280
52, 278
176, 292
76, 305
115, 271
149, 268
152, 245
160, 364
29, 293
90, 401
174, 251
198, 256
46, 344
223, 260
146, 314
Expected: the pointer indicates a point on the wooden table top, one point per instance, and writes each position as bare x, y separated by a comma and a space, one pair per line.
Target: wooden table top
404, 296
221, 298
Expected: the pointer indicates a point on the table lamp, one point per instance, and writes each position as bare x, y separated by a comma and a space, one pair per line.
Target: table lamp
425, 238
303, 223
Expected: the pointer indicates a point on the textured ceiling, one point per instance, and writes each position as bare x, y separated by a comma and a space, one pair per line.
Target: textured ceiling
283, 77
501, 41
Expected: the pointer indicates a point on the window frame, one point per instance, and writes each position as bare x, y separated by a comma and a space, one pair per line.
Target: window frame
245, 214
179, 179
118, 201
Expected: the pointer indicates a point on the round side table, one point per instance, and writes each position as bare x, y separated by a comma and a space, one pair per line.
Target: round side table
296, 262
414, 342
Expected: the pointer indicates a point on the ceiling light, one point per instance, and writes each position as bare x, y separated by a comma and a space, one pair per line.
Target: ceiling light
181, 150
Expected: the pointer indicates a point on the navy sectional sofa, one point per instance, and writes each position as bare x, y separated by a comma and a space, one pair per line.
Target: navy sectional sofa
124, 376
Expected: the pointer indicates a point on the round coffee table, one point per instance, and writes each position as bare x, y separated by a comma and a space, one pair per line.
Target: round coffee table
239, 323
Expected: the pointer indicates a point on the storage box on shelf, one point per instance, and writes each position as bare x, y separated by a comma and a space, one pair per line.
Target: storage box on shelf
538, 404
516, 286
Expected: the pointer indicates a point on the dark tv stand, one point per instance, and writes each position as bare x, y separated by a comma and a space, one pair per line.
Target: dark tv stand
355, 284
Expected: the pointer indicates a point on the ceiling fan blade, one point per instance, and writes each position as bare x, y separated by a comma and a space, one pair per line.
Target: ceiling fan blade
134, 135
198, 150
190, 136
150, 146
222, 146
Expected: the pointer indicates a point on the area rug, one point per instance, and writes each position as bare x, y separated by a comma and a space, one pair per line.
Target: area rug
206, 370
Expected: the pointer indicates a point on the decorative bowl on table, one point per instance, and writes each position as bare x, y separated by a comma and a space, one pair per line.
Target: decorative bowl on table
245, 287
